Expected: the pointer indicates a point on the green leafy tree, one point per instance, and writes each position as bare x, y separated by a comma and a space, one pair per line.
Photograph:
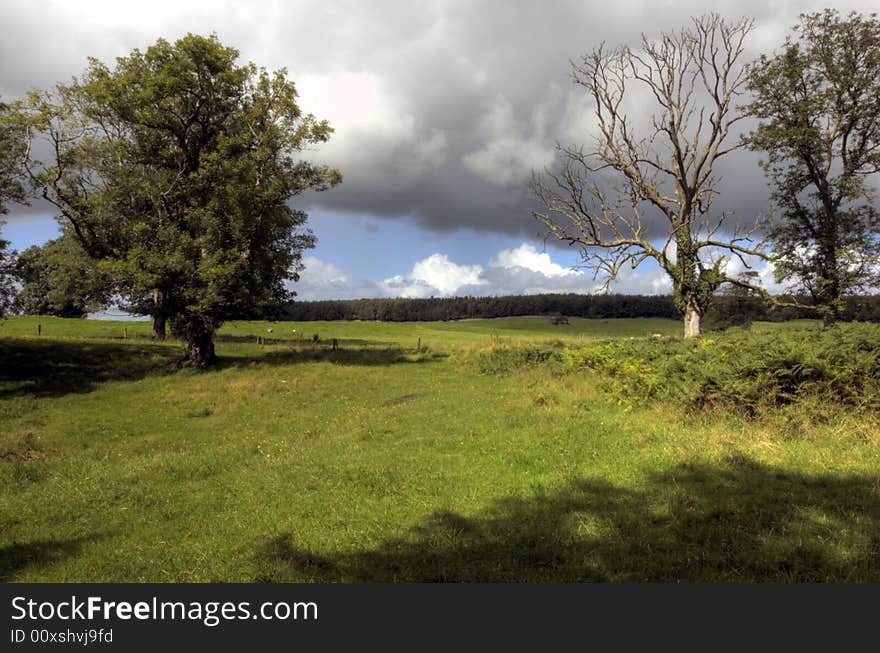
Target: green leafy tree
10, 190
7, 276
818, 103
59, 278
175, 167
32, 270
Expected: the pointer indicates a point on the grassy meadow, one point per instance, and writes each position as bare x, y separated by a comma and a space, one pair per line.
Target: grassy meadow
429, 452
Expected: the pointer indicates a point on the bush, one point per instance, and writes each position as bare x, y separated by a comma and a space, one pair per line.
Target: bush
753, 372
750, 372
507, 358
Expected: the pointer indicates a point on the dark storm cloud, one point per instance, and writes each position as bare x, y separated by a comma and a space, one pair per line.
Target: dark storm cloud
441, 109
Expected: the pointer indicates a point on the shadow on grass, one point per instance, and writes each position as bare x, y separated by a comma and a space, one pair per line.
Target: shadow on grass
16, 558
46, 368
268, 339
55, 367
739, 521
342, 356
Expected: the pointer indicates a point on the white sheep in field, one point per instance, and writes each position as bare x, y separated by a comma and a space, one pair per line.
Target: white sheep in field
269, 330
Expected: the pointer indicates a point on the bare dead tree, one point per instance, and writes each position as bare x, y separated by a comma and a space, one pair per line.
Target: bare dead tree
608, 200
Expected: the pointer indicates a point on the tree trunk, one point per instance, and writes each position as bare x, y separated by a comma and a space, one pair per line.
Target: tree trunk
159, 327
158, 314
692, 317
199, 346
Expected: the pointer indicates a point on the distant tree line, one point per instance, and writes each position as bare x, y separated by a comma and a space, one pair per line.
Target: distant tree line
728, 309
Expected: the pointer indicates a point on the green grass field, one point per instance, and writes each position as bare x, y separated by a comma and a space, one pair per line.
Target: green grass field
381, 462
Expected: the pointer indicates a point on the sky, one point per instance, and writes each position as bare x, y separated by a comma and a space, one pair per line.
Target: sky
441, 110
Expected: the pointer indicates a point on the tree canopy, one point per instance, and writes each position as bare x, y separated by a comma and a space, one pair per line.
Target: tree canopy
176, 167
818, 105
59, 278
11, 189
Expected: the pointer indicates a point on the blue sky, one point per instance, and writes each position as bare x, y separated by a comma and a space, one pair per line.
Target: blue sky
372, 248
30, 230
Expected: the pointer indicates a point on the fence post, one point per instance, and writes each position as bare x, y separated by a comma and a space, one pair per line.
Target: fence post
39, 329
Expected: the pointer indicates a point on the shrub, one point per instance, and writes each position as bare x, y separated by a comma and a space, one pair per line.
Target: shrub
507, 358
750, 372
757, 371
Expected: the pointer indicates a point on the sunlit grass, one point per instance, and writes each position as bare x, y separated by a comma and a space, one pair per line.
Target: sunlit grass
377, 462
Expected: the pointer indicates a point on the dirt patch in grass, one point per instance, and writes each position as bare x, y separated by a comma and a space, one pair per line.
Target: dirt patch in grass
397, 401
26, 448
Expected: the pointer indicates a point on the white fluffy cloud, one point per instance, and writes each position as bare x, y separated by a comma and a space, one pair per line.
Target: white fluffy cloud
526, 256
436, 273
322, 280
518, 271
521, 270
